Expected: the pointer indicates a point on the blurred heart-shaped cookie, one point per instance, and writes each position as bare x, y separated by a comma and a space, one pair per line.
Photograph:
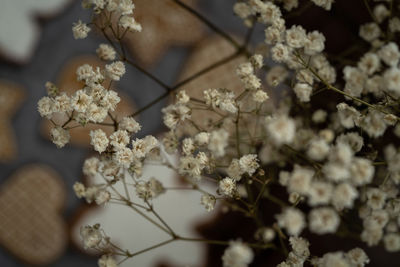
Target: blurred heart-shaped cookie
31, 226
165, 24
11, 96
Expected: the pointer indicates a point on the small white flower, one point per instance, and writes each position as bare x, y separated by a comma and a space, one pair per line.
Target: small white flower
237, 255
80, 30
227, 186
323, 220
107, 261
99, 140
115, 70
128, 22
292, 220
106, 52
129, 124
91, 236
208, 201
59, 136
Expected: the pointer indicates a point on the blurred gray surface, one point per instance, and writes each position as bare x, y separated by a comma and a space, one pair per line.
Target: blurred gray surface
55, 48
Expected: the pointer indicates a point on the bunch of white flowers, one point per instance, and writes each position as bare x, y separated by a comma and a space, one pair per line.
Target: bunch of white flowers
335, 161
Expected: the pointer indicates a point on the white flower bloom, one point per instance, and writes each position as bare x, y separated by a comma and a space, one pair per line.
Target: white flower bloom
392, 242
234, 170
218, 142
81, 101
352, 139
319, 116
128, 22
370, 31
96, 113
374, 124
260, 96
80, 30
91, 236
300, 247
91, 166
124, 157
125, 7
390, 54
102, 196
392, 80
107, 261
59, 136
208, 201
314, 43
348, 116
119, 139
344, 196
129, 124
188, 146
318, 149
376, 198
249, 164
362, 171
357, 257
292, 220
190, 166
79, 189
323, 221
202, 138
369, 63
227, 186
300, 179
182, 97
174, 114
372, 236
296, 36
280, 52
237, 254
46, 107
99, 140
115, 70
281, 129
320, 193
106, 52
273, 35
303, 91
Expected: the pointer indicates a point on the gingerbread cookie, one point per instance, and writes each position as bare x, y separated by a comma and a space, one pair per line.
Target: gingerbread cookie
18, 42
32, 227
11, 96
165, 24
68, 83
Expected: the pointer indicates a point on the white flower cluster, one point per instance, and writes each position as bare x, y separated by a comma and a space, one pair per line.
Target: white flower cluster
90, 104
335, 160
